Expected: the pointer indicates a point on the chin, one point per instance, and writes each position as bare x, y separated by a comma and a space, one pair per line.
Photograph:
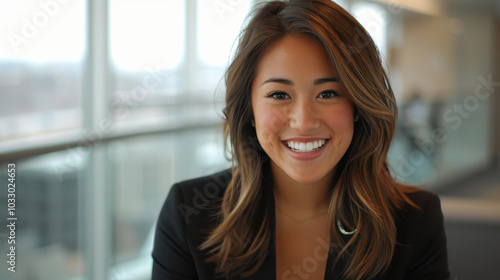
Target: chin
307, 177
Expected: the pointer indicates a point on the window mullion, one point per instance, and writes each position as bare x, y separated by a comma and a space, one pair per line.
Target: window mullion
96, 216
191, 55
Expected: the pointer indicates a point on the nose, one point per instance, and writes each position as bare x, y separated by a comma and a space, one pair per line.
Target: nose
303, 116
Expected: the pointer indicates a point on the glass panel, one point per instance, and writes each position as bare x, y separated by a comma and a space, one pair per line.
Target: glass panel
217, 29
47, 232
147, 40
166, 64
144, 170
373, 18
441, 70
40, 66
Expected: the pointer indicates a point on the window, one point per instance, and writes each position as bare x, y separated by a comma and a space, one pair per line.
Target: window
50, 226
148, 54
40, 66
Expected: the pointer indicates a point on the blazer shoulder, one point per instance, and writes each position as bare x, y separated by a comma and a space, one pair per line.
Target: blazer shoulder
206, 187
422, 198
428, 207
422, 237
185, 219
198, 199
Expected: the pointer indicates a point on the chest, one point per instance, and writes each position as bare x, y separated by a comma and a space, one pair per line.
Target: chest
301, 248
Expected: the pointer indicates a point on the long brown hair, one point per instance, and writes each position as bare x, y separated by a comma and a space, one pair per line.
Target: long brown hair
363, 196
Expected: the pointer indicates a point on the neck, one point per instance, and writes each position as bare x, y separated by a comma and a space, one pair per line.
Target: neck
300, 201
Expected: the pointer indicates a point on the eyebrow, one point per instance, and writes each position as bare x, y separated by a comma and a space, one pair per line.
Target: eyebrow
290, 83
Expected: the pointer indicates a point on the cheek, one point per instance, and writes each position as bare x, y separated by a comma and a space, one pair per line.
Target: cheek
268, 123
342, 120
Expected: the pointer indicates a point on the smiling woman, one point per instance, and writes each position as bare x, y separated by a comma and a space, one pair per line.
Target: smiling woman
304, 123
310, 116
305, 105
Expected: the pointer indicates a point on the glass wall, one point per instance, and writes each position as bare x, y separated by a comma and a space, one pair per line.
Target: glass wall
48, 226
87, 211
439, 56
143, 170
41, 51
148, 54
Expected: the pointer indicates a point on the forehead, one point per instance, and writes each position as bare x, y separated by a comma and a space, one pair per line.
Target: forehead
295, 56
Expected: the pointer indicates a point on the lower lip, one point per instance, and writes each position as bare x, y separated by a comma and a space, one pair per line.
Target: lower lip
307, 155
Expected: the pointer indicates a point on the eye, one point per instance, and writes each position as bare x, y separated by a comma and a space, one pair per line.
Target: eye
327, 94
280, 95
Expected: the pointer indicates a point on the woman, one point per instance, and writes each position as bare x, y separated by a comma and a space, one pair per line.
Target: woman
310, 116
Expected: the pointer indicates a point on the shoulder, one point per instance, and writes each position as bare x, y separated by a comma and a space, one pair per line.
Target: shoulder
426, 211
199, 195
427, 205
187, 215
202, 189
422, 197
421, 237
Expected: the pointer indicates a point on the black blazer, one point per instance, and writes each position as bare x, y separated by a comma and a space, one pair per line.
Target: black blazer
187, 214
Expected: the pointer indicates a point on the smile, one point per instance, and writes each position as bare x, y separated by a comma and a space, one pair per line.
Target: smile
305, 147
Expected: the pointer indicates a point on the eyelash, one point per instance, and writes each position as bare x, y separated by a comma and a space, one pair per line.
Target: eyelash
274, 94
334, 93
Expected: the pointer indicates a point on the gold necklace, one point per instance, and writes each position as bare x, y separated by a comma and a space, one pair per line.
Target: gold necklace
300, 220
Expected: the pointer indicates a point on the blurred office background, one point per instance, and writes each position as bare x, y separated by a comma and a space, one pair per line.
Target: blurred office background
105, 104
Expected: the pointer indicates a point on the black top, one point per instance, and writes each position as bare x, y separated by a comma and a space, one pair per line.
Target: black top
420, 252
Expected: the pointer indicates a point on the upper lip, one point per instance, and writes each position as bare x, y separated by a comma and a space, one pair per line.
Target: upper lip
305, 139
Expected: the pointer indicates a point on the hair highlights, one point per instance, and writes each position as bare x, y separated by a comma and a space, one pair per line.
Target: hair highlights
363, 194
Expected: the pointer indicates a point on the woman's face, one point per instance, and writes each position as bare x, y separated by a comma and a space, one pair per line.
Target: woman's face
303, 119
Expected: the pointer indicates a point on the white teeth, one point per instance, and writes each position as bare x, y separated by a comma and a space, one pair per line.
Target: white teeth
309, 147
305, 147
302, 147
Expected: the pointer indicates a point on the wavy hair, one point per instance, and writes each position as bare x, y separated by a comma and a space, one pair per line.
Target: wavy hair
363, 194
